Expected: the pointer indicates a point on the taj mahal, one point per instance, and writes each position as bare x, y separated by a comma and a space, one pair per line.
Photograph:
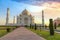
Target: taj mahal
25, 18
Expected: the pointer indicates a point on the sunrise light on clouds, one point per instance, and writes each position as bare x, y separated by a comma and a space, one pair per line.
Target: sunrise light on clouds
51, 9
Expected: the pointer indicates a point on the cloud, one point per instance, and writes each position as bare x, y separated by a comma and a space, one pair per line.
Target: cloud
47, 3
36, 1
24, 1
52, 7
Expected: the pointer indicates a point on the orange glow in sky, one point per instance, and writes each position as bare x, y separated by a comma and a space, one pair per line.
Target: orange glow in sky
51, 10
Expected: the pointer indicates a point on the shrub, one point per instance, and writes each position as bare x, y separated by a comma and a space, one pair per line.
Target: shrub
51, 27
45, 26
55, 25
35, 27
30, 25
8, 29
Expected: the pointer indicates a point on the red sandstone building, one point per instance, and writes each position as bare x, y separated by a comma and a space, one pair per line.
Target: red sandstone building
57, 21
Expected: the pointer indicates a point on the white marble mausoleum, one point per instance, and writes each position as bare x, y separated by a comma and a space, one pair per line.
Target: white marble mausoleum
25, 18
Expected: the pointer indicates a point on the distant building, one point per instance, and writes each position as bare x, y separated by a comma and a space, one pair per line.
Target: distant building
25, 18
57, 21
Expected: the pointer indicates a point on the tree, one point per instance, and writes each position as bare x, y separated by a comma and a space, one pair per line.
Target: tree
51, 27
55, 25
35, 27
45, 26
30, 25
8, 29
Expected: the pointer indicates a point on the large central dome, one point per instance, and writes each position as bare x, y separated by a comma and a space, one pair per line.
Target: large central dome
25, 12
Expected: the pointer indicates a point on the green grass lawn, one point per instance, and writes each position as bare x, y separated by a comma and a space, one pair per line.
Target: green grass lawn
46, 35
7, 27
3, 32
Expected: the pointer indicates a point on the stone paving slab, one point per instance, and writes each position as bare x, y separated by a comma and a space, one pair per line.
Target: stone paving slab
21, 34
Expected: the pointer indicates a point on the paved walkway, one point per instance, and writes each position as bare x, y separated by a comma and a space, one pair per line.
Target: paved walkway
21, 34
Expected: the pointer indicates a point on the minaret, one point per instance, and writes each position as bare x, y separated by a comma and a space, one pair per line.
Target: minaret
7, 16
42, 18
14, 20
17, 19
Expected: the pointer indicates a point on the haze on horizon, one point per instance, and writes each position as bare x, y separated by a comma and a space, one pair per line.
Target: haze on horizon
51, 9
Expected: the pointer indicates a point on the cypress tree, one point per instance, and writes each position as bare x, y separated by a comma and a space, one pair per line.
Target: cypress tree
8, 29
55, 25
35, 27
30, 25
45, 26
51, 27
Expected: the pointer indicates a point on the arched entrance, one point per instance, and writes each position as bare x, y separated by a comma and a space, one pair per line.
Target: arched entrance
26, 21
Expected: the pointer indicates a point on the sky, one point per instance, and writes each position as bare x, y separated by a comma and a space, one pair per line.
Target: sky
51, 9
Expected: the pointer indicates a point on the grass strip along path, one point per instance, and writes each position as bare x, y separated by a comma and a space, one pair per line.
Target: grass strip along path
46, 34
3, 30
